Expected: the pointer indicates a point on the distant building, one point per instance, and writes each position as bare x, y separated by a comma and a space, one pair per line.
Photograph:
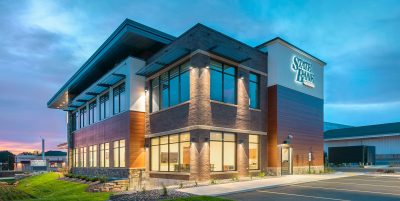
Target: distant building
331, 126
33, 162
6, 160
384, 137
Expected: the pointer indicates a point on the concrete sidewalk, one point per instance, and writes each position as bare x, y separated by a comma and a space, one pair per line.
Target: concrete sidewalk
236, 187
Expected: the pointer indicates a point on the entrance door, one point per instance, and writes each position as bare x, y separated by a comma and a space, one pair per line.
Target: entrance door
286, 158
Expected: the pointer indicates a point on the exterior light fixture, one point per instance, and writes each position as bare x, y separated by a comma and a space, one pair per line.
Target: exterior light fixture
241, 141
206, 139
190, 68
207, 67
146, 145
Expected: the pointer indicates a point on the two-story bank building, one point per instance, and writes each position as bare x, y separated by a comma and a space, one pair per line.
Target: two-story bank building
194, 107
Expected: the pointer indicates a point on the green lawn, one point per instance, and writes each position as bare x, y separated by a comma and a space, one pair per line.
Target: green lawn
200, 198
47, 187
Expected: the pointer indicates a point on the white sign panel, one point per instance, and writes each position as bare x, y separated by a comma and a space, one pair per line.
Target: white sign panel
38, 163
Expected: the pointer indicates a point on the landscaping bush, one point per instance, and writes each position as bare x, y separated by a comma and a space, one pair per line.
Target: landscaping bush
164, 190
261, 174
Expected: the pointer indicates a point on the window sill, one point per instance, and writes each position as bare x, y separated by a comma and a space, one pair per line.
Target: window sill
171, 173
251, 171
227, 172
223, 103
180, 104
254, 109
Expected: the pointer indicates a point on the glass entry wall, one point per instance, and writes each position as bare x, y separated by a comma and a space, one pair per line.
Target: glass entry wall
170, 153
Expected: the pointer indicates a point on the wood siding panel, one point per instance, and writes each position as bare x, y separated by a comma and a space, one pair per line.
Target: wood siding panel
136, 140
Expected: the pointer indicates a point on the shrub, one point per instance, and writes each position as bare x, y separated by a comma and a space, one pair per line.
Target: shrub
195, 183
389, 171
261, 174
144, 189
164, 190
103, 179
213, 181
181, 185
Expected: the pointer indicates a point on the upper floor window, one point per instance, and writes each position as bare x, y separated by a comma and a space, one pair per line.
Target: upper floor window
83, 117
119, 98
254, 90
222, 82
104, 109
171, 88
92, 112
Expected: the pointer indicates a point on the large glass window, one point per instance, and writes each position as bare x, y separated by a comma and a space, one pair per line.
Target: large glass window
104, 109
171, 88
74, 121
222, 151
254, 90
119, 98
105, 155
222, 82
254, 150
171, 153
93, 156
119, 153
92, 112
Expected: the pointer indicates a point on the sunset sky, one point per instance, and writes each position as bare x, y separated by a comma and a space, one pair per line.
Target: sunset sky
42, 43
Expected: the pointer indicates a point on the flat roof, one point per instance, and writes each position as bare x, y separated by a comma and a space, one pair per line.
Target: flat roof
379, 130
123, 42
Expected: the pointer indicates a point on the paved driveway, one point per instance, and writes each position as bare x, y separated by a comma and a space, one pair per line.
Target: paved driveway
380, 188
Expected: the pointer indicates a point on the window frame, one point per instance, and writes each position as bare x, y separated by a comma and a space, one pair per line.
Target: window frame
117, 90
182, 68
258, 90
222, 153
119, 153
235, 77
258, 151
168, 155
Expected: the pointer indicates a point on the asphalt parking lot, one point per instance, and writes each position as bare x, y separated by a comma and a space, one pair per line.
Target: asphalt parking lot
381, 188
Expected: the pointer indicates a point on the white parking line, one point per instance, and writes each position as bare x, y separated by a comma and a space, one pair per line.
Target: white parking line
300, 195
334, 182
366, 180
341, 189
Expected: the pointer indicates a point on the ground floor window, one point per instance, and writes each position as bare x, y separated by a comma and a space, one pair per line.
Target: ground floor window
105, 155
170, 153
83, 156
119, 153
76, 158
222, 151
254, 150
93, 156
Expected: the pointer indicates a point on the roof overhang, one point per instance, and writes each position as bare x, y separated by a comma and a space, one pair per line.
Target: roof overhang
130, 39
362, 137
291, 46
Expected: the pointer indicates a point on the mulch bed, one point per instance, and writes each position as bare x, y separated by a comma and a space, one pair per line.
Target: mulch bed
150, 195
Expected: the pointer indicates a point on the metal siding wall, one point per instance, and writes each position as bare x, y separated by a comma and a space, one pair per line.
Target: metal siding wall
384, 145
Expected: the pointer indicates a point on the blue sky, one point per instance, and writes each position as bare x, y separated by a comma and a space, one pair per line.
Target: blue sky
44, 42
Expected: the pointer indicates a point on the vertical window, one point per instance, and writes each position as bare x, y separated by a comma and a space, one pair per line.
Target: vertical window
171, 88
164, 153
83, 117
105, 155
92, 112
119, 153
76, 158
254, 150
93, 156
222, 151
83, 157
155, 150
184, 82
222, 82
76, 120
254, 90
73, 121
164, 83
119, 98
171, 153
174, 86
104, 106
155, 95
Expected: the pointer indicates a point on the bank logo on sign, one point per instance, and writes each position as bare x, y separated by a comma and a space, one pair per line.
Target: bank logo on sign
304, 73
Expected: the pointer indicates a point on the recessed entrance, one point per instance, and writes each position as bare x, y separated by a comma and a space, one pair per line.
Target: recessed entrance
286, 160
